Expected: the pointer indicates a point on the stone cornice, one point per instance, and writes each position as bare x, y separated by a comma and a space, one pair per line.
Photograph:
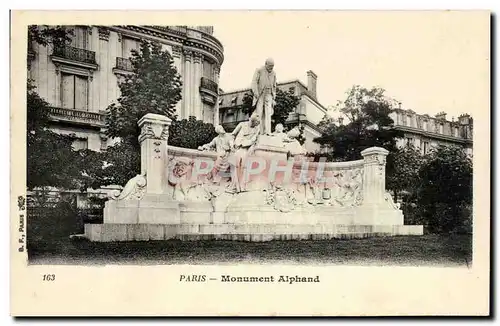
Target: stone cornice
207, 43
433, 135
426, 117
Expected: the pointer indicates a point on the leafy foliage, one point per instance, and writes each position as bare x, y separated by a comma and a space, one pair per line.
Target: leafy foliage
406, 164
45, 34
154, 87
369, 124
444, 190
190, 133
113, 166
286, 102
50, 156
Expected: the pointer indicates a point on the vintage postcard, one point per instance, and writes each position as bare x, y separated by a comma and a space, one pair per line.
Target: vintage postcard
250, 163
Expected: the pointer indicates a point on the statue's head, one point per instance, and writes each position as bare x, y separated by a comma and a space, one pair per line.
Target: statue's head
254, 120
279, 128
269, 64
219, 130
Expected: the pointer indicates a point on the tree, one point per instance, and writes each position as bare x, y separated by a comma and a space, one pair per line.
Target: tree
45, 34
50, 156
190, 133
155, 86
368, 124
444, 190
407, 162
113, 166
286, 102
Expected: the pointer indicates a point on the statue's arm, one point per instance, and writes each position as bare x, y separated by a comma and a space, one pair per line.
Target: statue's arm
236, 130
255, 83
274, 87
207, 146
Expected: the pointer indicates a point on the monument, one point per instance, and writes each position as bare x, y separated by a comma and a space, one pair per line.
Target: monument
250, 185
264, 94
192, 194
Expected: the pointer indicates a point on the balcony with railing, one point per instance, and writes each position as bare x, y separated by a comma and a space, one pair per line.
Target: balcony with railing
77, 117
209, 90
70, 54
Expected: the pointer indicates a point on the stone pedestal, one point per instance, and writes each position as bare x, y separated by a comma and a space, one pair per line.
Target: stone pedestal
144, 199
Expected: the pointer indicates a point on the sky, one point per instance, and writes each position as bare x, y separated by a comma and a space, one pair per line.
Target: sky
430, 62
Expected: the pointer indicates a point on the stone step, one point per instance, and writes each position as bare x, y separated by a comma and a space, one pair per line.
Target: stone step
109, 232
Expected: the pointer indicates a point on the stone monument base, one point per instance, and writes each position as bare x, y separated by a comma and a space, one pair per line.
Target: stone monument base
241, 232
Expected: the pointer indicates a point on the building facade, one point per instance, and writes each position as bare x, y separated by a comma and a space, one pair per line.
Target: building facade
80, 80
307, 114
426, 132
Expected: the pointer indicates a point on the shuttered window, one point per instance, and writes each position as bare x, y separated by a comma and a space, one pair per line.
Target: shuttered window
74, 92
128, 45
80, 37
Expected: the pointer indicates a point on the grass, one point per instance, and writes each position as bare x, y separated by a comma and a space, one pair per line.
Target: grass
442, 250
49, 243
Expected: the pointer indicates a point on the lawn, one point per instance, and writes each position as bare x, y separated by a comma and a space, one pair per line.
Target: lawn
437, 250
49, 243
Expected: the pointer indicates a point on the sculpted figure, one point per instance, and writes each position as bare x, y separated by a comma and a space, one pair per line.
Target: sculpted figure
264, 94
223, 145
293, 144
278, 133
245, 136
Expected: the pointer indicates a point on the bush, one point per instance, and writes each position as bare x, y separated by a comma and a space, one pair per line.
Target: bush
444, 191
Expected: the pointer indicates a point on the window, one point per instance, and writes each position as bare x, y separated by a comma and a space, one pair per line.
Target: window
455, 131
208, 70
208, 114
81, 143
129, 44
425, 148
403, 120
80, 37
409, 141
408, 121
441, 128
424, 125
74, 92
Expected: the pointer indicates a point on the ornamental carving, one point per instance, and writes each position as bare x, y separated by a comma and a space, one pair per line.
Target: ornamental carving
184, 187
176, 51
348, 188
153, 131
281, 198
197, 57
390, 201
133, 190
188, 55
103, 33
179, 169
376, 159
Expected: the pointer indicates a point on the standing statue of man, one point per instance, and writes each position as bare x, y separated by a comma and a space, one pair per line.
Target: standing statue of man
245, 135
264, 95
